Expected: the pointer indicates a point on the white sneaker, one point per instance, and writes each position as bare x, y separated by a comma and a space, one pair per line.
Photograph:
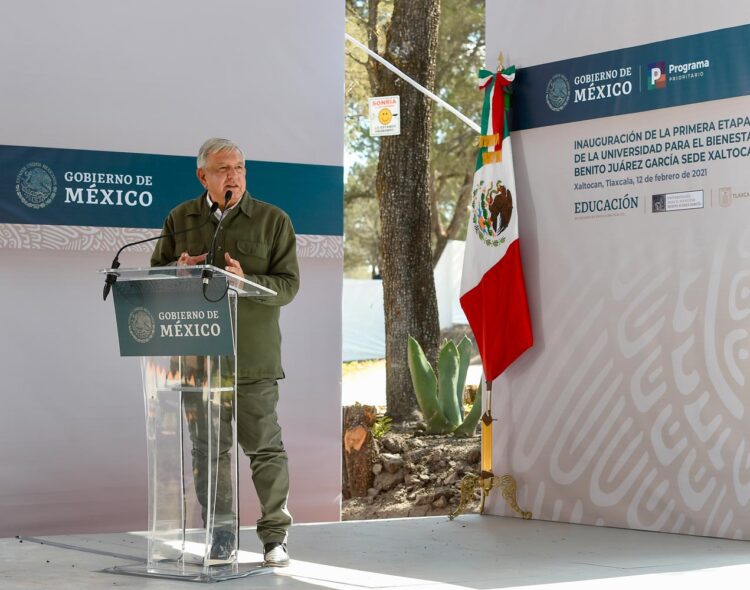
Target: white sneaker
275, 554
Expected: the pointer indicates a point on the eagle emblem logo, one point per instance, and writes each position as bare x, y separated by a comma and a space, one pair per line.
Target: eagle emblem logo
141, 325
492, 209
36, 185
558, 92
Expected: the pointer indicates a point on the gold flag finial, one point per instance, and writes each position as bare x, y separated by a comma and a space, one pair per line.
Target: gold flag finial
500, 62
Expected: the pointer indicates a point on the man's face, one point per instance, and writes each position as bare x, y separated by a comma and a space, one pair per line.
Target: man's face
224, 171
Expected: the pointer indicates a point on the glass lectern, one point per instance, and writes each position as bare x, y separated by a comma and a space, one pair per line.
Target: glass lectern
181, 322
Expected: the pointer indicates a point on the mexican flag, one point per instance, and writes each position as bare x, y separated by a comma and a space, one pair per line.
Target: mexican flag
493, 293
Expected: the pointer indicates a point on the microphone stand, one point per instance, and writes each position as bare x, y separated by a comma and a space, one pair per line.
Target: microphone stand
111, 277
207, 274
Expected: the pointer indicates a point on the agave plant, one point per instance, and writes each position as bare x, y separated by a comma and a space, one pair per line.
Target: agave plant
441, 397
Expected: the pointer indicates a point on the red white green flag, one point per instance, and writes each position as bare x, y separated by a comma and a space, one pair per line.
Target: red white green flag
493, 293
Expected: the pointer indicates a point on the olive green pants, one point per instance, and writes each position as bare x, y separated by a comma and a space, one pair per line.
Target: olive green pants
259, 436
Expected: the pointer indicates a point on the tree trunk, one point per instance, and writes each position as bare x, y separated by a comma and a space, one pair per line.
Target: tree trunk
403, 195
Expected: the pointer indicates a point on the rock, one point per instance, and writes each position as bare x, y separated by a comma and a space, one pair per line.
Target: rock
415, 474
391, 463
387, 481
419, 511
451, 479
422, 498
411, 479
391, 444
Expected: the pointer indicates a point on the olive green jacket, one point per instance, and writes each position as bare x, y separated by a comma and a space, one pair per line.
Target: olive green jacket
261, 237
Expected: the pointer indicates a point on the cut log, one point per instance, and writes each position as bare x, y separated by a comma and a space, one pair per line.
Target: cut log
358, 450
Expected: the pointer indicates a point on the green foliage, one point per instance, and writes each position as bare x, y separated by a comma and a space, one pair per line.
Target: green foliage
425, 387
441, 398
472, 418
381, 427
464, 355
447, 379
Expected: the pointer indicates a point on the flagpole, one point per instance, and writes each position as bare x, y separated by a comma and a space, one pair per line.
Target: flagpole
486, 462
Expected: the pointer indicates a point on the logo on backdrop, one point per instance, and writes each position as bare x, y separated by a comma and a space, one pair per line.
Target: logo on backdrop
725, 196
36, 185
492, 209
687, 70
558, 92
656, 75
659, 73
680, 201
613, 207
658, 203
588, 87
141, 325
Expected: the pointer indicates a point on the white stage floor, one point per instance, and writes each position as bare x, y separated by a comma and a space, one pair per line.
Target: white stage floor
471, 553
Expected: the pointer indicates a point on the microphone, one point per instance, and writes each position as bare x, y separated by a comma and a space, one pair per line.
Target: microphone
207, 273
111, 278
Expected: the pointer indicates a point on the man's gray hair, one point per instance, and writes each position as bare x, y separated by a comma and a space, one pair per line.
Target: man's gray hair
214, 145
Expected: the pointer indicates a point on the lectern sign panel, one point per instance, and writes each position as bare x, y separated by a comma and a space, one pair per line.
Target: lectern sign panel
161, 318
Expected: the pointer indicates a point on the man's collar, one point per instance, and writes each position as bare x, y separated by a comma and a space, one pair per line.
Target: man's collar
245, 204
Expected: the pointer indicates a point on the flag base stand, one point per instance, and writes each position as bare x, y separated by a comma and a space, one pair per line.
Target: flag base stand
486, 482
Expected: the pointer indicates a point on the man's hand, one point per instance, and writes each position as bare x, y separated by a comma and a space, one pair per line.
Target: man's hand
233, 265
186, 260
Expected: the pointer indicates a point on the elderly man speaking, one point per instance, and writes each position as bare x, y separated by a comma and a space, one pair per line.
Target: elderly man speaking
257, 242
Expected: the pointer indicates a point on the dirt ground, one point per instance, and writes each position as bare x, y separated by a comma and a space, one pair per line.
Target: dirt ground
416, 475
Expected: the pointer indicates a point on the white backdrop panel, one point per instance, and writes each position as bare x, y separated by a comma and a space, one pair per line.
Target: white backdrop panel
633, 407
72, 437
159, 78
